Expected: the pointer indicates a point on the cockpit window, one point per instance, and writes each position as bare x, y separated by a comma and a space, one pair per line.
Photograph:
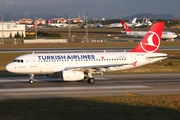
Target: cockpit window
18, 60
15, 60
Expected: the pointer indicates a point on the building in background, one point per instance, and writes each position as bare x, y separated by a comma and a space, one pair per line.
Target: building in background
10, 29
26, 21
59, 20
40, 21
77, 20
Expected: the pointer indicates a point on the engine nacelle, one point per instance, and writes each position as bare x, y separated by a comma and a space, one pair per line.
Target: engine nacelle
71, 75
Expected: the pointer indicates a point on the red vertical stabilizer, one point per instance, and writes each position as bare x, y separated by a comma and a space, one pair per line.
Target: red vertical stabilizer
151, 41
125, 27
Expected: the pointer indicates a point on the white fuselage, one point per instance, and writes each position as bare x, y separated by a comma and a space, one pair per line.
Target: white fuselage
49, 63
58, 24
29, 26
131, 23
119, 25
165, 35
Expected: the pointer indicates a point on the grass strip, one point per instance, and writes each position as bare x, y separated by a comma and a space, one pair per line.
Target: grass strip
81, 45
153, 107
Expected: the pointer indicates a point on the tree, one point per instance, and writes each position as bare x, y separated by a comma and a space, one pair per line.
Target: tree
10, 36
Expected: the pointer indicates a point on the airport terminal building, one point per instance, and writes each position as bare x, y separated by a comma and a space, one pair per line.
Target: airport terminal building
8, 29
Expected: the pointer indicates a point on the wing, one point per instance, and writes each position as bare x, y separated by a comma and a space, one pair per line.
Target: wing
98, 68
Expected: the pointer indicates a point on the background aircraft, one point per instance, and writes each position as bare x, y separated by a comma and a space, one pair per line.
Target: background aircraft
57, 24
32, 26
29, 26
142, 24
131, 23
97, 25
165, 35
145, 22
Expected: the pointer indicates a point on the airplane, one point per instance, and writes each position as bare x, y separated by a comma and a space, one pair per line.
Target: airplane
57, 24
31, 26
81, 66
169, 36
97, 25
143, 24
131, 23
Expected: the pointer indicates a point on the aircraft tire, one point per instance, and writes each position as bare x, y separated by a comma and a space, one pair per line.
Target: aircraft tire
31, 81
91, 80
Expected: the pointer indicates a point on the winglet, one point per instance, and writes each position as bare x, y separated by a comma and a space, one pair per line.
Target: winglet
151, 42
125, 27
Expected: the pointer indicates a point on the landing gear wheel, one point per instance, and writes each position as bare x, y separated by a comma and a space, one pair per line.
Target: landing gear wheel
31, 81
91, 80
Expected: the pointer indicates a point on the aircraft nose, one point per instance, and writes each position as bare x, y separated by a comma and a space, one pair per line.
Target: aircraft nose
10, 67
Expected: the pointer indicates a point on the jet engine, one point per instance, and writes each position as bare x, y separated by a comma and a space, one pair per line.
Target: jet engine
69, 75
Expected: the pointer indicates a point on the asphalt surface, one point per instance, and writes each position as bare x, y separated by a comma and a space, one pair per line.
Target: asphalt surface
30, 50
105, 85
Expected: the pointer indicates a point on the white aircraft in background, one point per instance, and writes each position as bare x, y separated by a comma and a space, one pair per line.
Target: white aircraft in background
165, 35
131, 23
97, 25
143, 24
29, 26
32, 26
80, 66
57, 24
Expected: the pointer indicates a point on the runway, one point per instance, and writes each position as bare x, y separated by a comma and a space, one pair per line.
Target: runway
105, 85
64, 50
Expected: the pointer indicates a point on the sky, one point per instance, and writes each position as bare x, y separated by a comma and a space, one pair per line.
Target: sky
94, 8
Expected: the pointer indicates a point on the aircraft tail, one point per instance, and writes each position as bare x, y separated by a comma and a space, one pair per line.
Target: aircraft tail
35, 25
146, 22
134, 20
151, 41
49, 22
125, 27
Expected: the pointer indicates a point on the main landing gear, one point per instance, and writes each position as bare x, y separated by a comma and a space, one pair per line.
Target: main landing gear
91, 80
31, 80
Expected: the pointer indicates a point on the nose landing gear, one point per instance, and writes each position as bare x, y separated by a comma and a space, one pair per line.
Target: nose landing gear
31, 80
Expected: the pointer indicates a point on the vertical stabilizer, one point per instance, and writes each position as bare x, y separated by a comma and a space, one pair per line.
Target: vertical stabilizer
49, 22
134, 20
125, 27
151, 41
